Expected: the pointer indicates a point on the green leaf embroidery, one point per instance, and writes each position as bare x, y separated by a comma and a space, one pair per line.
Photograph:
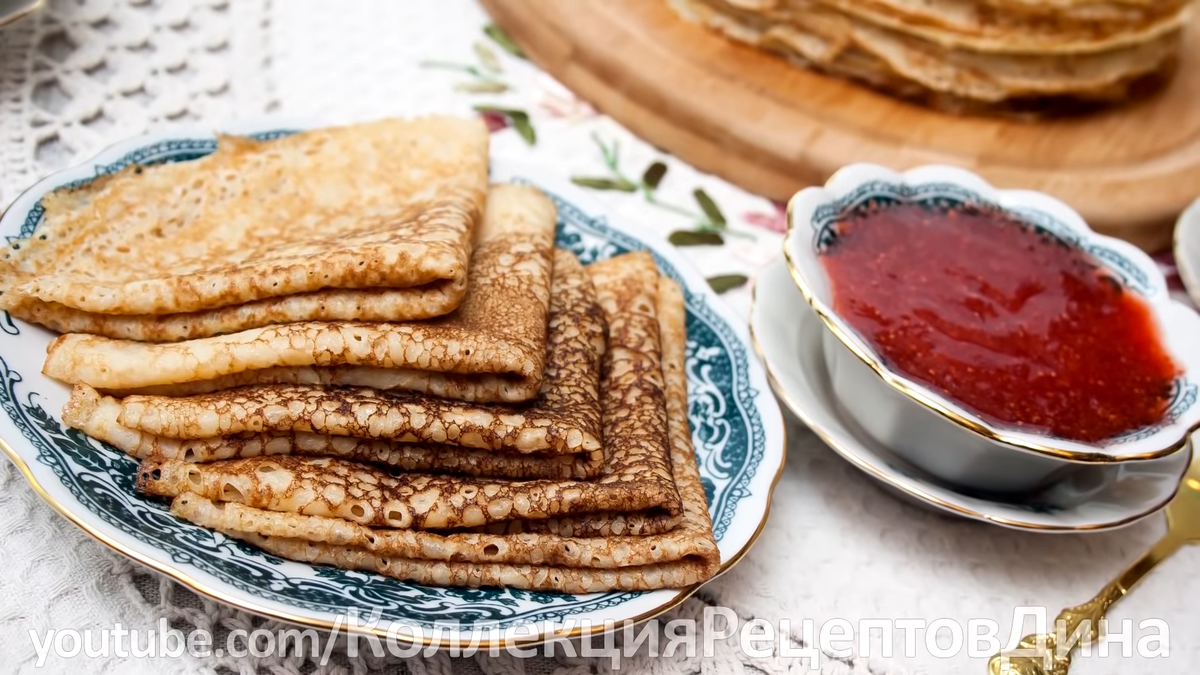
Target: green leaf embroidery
611, 154
709, 207
653, 175
695, 238
604, 183
500, 38
523, 126
487, 57
727, 282
482, 87
461, 67
519, 119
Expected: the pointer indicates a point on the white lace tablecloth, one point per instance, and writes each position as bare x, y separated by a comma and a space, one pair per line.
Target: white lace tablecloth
82, 73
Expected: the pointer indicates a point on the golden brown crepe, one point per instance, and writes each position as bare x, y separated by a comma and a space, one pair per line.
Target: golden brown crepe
367, 222
100, 423
684, 556
283, 419
636, 482
492, 348
957, 54
974, 26
373, 497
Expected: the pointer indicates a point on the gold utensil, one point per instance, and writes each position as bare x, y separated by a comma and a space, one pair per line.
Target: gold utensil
1039, 654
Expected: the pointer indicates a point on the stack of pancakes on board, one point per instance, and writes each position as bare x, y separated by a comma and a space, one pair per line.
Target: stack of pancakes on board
343, 346
988, 56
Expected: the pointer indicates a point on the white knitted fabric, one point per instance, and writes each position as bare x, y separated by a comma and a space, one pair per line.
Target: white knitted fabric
77, 75
81, 74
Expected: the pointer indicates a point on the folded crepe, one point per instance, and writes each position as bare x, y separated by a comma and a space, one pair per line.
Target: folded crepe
369, 222
634, 494
947, 66
101, 423
409, 431
686, 555
492, 348
973, 26
1091, 10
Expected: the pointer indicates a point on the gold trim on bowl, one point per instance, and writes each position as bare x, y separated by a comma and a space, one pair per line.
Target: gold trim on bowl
902, 385
907, 488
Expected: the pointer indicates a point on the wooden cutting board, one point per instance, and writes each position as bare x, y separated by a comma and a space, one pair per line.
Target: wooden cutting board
773, 128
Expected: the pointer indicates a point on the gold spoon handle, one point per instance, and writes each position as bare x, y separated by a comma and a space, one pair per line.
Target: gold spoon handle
1039, 654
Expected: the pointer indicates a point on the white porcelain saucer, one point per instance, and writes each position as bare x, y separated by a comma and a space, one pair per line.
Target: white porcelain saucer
1187, 250
787, 336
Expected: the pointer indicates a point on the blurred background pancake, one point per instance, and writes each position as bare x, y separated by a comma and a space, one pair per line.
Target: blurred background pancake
964, 55
1091, 101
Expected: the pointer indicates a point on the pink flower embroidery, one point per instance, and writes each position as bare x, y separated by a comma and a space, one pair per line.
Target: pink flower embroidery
775, 222
754, 255
559, 102
494, 121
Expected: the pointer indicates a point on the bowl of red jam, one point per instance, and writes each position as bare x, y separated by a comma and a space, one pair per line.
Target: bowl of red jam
989, 336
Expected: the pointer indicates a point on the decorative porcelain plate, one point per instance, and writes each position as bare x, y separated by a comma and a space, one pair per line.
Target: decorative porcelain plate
787, 335
736, 425
1187, 250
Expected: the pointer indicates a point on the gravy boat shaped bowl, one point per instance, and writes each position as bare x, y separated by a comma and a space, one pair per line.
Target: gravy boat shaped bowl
925, 426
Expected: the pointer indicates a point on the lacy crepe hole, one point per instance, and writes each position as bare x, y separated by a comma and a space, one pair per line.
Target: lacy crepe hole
491, 550
358, 511
189, 455
394, 516
266, 468
231, 493
193, 476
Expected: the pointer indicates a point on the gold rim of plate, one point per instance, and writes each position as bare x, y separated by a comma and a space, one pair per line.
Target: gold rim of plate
261, 610
914, 491
22, 13
901, 384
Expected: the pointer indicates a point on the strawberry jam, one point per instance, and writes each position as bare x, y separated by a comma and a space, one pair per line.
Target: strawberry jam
1010, 323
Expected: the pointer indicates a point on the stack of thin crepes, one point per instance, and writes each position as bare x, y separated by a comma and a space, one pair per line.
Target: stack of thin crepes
1001, 56
345, 348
